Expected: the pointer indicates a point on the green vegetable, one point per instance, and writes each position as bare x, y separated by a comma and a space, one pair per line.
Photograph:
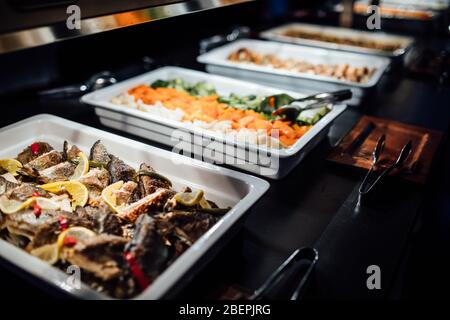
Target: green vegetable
153, 175
200, 89
271, 103
312, 116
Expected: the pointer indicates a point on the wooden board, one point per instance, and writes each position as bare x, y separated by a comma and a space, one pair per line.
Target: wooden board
417, 166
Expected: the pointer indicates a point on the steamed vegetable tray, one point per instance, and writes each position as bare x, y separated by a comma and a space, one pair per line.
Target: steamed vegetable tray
248, 118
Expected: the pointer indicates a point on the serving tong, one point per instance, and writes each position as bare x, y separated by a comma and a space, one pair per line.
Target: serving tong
97, 81
367, 187
301, 262
290, 108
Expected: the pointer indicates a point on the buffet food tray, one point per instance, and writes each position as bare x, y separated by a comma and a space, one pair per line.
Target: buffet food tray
216, 62
161, 129
227, 187
279, 34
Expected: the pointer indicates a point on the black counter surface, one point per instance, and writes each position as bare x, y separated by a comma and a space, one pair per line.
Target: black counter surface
407, 236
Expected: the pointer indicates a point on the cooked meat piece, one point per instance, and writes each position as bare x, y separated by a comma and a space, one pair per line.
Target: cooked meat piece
122, 287
147, 247
186, 225
28, 155
119, 170
101, 255
48, 232
128, 230
148, 183
6, 185
104, 220
25, 191
19, 241
152, 202
25, 223
61, 172
99, 155
70, 151
127, 193
95, 181
45, 161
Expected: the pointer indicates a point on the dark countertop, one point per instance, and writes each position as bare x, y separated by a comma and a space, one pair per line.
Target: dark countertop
308, 208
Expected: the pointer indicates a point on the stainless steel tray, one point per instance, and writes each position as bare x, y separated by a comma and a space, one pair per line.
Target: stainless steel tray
278, 34
160, 129
226, 187
216, 62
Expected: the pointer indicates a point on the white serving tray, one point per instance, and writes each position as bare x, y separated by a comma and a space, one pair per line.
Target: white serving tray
278, 35
224, 186
216, 62
160, 129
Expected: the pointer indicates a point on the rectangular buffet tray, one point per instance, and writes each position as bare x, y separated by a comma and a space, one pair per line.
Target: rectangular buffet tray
278, 34
161, 129
224, 186
216, 62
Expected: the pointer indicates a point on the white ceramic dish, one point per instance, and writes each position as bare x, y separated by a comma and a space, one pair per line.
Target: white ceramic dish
226, 187
278, 34
216, 62
161, 129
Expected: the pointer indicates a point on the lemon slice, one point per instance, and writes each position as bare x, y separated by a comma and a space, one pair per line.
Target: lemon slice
76, 189
8, 206
45, 203
82, 166
78, 233
204, 203
10, 165
108, 195
49, 253
189, 199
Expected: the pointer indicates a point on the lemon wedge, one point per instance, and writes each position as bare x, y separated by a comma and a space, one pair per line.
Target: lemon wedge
78, 233
109, 197
49, 253
82, 166
189, 199
8, 206
10, 165
76, 189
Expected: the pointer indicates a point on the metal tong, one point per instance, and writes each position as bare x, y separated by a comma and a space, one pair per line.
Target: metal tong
294, 107
303, 259
365, 187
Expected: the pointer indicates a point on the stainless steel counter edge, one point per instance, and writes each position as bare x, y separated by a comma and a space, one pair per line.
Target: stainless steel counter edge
49, 34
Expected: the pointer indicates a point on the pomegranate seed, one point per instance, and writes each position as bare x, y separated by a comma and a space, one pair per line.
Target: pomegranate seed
37, 210
69, 241
36, 194
35, 148
63, 223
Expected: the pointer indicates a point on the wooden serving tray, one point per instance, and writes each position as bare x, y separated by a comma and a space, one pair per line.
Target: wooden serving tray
417, 166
